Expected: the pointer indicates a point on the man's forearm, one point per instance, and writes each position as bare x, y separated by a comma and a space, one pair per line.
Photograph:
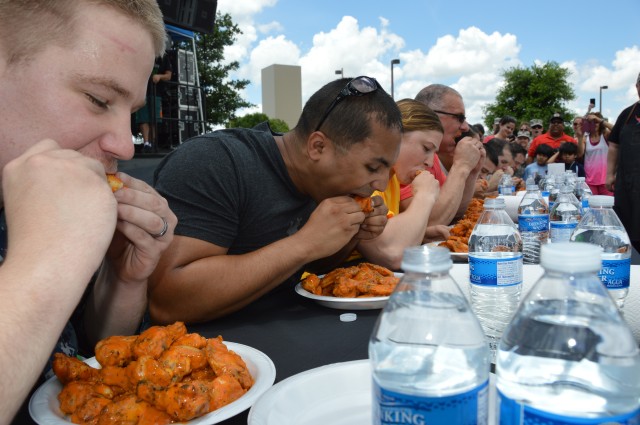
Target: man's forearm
113, 307
216, 285
450, 197
469, 188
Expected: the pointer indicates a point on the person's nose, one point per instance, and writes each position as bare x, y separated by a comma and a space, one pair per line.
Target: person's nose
465, 126
117, 138
381, 181
428, 161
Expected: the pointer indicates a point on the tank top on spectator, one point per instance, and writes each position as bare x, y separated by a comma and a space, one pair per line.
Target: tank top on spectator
595, 161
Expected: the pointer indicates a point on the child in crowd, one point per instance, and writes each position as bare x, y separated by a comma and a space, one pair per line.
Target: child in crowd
539, 167
568, 152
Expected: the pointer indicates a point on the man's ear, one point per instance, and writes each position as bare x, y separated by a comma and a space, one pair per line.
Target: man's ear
317, 144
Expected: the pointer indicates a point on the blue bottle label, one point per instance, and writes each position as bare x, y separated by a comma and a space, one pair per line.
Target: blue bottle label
506, 190
615, 273
495, 271
545, 193
392, 408
585, 203
514, 413
533, 222
560, 231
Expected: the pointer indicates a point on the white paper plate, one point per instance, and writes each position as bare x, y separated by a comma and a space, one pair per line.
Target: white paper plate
44, 406
337, 394
342, 303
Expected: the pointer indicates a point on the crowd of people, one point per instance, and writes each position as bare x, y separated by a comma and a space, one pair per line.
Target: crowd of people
235, 215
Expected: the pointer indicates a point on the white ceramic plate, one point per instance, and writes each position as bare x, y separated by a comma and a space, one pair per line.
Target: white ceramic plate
341, 303
456, 257
336, 394
44, 406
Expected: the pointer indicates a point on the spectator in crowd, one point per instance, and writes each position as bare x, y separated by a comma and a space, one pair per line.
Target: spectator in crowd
496, 126
506, 126
421, 136
519, 158
567, 154
479, 129
150, 115
538, 169
577, 127
457, 162
524, 126
536, 128
490, 173
553, 138
593, 147
523, 139
256, 208
623, 172
71, 74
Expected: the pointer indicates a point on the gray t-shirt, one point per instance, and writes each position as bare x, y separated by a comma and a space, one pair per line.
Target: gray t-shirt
231, 188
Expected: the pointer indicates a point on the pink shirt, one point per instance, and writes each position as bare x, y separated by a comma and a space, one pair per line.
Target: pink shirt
595, 161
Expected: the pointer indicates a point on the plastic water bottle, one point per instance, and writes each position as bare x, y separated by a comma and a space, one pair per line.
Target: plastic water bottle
564, 216
601, 226
548, 183
495, 270
583, 193
568, 356
429, 356
554, 190
506, 186
533, 224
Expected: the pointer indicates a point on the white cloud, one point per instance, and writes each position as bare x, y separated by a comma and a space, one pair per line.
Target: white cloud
471, 61
272, 50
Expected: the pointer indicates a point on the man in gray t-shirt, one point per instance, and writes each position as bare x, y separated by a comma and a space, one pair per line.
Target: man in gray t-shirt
255, 207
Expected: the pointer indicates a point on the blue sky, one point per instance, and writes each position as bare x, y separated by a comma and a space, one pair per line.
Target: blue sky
463, 44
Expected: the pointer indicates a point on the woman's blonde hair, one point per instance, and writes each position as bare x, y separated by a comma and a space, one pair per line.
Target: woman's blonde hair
416, 116
28, 26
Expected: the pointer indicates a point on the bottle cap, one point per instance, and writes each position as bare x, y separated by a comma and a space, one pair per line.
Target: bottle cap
426, 259
571, 257
494, 203
600, 201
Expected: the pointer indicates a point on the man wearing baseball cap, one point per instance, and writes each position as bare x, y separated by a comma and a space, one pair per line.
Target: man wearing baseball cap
536, 127
523, 139
553, 138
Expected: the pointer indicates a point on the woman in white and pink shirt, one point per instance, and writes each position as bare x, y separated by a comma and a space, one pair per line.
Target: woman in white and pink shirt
593, 144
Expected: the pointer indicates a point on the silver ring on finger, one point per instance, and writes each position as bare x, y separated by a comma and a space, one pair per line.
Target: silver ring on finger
165, 227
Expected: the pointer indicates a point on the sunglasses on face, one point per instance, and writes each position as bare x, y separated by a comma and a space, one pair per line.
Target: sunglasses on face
460, 117
359, 86
537, 126
556, 122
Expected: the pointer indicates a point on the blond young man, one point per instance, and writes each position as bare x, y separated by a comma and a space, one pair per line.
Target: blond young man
71, 74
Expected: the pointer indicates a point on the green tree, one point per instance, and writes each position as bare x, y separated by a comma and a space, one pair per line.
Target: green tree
222, 95
528, 93
251, 120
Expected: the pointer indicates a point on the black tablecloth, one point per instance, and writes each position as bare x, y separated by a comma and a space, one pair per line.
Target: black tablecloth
295, 332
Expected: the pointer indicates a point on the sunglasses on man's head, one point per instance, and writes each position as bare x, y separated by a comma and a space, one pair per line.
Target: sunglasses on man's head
359, 86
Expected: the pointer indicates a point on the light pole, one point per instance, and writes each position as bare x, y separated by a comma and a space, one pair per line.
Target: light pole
393, 62
340, 72
602, 88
